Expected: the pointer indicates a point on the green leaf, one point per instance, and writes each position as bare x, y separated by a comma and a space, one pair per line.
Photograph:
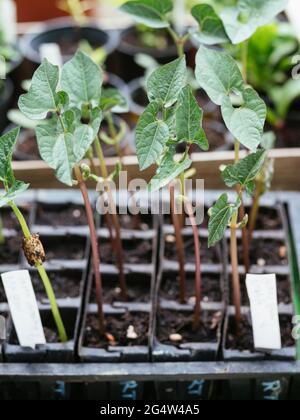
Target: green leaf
283, 96
168, 171
82, 79
166, 83
246, 123
245, 171
243, 20
189, 119
218, 74
150, 149
268, 140
151, 13
13, 192
221, 214
212, 30
112, 99
41, 97
7, 143
63, 150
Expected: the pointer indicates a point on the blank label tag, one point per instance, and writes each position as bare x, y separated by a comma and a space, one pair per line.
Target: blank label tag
23, 307
2, 329
262, 293
52, 52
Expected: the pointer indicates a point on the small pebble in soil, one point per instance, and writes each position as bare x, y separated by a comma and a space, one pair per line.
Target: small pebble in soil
144, 227
192, 300
217, 317
175, 338
111, 339
117, 291
261, 262
205, 299
282, 252
131, 334
76, 214
170, 239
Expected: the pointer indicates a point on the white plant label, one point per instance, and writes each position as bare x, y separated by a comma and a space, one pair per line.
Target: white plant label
8, 20
2, 329
52, 52
23, 308
262, 293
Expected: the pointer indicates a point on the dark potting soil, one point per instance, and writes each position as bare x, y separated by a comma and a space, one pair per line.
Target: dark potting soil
2, 294
28, 146
134, 37
244, 341
268, 219
66, 284
283, 291
211, 287
134, 222
9, 219
289, 135
60, 215
138, 288
266, 252
117, 326
170, 322
66, 248
208, 255
10, 250
135, 252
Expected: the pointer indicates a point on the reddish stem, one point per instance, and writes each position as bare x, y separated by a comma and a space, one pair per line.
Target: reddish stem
179, 246
95, 252
245, 240
198, 276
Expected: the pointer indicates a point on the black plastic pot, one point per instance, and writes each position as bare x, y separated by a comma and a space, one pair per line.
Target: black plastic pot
6, 98
63, 30
127, 68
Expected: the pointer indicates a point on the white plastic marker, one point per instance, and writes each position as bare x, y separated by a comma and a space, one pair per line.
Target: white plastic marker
293, 13
2, 329
262, 293
23, 307
52, 52
8, 17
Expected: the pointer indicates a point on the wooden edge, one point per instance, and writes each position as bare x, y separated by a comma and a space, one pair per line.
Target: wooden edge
287, 165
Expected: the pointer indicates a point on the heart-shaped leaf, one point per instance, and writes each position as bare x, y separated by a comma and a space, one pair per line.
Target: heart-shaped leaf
243, 20
41, 97
151, 13
246, 123
218, 74
168, 171
220, 216
155, 136
82, 79
212, 30
13, 192
166, 83
189, 119
7, 143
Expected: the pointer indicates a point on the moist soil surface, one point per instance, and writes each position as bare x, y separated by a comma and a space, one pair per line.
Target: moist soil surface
65, 248
117, 327
142, 222
135, 252
170, 322
208, 255
27, 148
268, 219
60, 215
283, 291
9, 219
211, 287
134, 38
266, 252
10, 250
138, 288
66, 284
244, 341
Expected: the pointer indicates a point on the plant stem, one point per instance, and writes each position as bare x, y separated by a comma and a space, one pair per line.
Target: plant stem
115, 220
179, 41
235, 272
254, 210
245, 60
2, 238
94, 244
179, 246
42, 272
113, 134
198, 277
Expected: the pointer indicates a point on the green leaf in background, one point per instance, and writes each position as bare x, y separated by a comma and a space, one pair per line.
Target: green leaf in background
246, 123
168, 171
268, 140
245, 171
7, 143
189, 119
112, 99
211, 26
242, 21
13, 192
63, 150
166, 83
150, 149
218, 74
82, 79
220, 216
16, 117
41, 97
151, 13
283, 96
